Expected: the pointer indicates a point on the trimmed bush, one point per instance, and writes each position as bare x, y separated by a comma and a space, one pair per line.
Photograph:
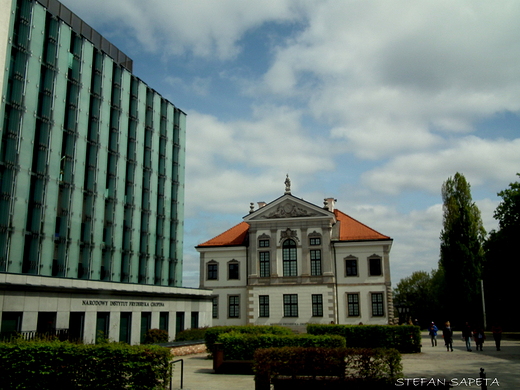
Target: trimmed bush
212, 334
328, 365
404, 338
156, 336
191, 334
240, 346
63, 365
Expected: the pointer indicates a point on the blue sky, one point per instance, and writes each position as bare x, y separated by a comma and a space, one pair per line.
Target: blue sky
375, 103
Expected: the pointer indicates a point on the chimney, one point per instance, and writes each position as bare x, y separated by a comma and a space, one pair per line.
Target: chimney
261, 204
329, 204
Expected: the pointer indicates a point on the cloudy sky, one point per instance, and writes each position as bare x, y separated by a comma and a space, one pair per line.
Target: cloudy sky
375, 103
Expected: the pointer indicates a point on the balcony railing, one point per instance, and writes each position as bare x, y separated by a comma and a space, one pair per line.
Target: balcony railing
60, 334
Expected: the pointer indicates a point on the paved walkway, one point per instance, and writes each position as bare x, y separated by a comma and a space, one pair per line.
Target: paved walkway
460, 367
502, 367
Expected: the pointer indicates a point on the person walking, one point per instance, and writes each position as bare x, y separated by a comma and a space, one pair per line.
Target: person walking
466, 336
497, 334
433, 334
447, 334
479, 337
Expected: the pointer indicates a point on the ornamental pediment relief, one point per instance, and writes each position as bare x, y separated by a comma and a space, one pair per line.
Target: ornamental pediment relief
289, 210
288, 233
288, 207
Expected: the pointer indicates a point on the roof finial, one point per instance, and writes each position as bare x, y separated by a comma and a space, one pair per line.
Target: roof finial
287, 185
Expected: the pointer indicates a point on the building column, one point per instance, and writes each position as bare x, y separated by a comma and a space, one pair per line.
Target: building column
274, 253
306, 258
326, 257
114, 325
89, 333
388, 283
252, 255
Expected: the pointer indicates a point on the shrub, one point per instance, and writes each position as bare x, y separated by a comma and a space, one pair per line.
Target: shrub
52, 365
214, 332
191, 334
239, 346
156, 336
378, 365
405, 338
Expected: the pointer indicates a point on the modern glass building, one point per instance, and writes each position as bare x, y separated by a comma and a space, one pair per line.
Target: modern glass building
91, 158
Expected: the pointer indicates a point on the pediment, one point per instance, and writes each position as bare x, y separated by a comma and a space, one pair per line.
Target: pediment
288, 207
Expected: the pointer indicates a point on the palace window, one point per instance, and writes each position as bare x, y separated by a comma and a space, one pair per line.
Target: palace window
290, 305
263, 243
234, 306
233, 270
351, 266
263, 306
315, 262
289, 258
375, 266
214, 308
317, 305
315, 241
265, 264
213, 270
353, 305
377, 305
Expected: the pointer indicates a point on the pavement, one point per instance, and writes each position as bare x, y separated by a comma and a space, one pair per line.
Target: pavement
460, 367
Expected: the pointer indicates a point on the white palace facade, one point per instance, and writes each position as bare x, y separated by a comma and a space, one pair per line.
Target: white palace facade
291, 262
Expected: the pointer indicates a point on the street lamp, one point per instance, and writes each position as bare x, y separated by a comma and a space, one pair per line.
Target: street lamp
403, 311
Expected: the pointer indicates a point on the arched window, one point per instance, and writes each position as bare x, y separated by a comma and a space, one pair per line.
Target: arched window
289, 258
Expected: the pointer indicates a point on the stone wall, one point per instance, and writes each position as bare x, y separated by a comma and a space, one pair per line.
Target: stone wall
188, 349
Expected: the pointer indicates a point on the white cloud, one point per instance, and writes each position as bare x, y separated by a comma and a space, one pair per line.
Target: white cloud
389, 75
481, 161
386, 76
400, 83
230, 161
204, 28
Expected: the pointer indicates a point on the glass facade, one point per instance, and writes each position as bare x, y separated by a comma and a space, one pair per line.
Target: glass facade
91, 158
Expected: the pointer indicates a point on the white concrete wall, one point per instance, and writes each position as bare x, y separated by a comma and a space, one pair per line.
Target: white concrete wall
222, 256
100, 298
362, 251
223, 295
276, 305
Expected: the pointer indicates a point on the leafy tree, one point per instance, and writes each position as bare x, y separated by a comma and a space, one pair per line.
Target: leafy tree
414, 293
420, 292
461, 252
508, 211
501, 268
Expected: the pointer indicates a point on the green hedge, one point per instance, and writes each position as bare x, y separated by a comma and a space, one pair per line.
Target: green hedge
63, 365
240, 346
212, 334
191, 334
156, 336
404, 338
362, 364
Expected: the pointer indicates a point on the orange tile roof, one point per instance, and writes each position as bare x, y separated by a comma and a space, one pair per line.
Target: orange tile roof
353, 230
234, 236
349, 230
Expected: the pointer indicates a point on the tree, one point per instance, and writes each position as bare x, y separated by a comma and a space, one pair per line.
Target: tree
507, 212
501, 267
418, 293
461, 252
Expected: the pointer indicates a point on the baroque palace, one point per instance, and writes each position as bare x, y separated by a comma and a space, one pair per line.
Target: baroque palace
291, 262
